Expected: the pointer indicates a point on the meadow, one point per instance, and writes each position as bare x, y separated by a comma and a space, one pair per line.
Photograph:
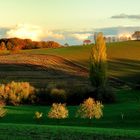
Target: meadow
43, 66
20, 122
123, 58
32, 65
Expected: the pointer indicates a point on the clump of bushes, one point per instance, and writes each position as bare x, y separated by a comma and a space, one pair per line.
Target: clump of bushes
63, 93
77, 94
58, 111
58, 95
105, 94
15, 93
90, 109
51, 94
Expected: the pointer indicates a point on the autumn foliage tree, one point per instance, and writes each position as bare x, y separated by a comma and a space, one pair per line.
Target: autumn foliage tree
98, 71
136, 35
18, 44
90, 109
2, 46
98, 67
98, 62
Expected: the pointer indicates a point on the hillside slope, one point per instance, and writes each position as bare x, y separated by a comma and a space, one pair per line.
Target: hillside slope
123, 57
40, 69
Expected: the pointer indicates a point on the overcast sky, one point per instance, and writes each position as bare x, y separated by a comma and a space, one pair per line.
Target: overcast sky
67, 20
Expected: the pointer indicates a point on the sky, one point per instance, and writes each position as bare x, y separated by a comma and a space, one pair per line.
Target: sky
69, 21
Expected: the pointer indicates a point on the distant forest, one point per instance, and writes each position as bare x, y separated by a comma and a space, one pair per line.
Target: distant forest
18, 44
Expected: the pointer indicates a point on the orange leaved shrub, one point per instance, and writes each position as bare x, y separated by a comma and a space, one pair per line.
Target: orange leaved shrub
15, 93
90, 109
58, 111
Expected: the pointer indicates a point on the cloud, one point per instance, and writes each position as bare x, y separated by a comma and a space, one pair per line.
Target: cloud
125, 16
72, 37
31, 31
3, 31
25, 31
81, 37
52, 34
118, 30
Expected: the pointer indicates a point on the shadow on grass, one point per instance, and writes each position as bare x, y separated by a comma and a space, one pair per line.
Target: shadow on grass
37, 75
125, 69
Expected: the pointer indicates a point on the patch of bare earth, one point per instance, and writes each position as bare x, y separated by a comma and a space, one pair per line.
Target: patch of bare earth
41, 69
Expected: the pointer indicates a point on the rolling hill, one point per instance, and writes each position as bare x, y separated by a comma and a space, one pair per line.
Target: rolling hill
123, 58
40, 66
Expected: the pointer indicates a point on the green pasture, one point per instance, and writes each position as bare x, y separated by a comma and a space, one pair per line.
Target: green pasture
19, 123
123, 57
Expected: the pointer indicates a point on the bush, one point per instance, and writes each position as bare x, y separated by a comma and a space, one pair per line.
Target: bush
58, 95
63, 93
15, 93
38, 115
42, 97
90, 109
51, 94
58, 111
2, 103
105, 94
77, 94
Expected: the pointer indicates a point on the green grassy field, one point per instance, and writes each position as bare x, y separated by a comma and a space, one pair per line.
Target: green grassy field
128, 104
118, 50
20, 121
47, 132
124, 63
123, 57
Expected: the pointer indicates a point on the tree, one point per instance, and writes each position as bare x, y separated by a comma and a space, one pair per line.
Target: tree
2, 46
66, 45
90, 109
136, 35
52, 44
9, 45
98, 62
58, 111
15, 50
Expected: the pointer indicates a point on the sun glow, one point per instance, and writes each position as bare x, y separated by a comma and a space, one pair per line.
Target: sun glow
26, 31
127, 35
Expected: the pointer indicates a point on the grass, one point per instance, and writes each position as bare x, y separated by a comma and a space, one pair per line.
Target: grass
20, 122
43, 132
112, 116
123, 63
117, 50
123, 57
